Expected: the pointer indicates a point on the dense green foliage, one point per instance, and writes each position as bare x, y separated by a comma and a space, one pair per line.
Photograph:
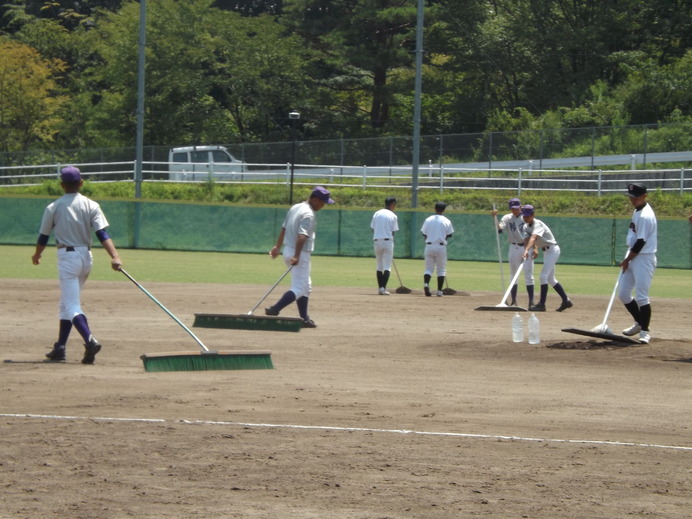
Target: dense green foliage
557, 203
230, 71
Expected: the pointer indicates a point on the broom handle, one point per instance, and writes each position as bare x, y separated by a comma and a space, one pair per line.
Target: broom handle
499, 253
612, 298
397, 272
270, 290
511, 283
164, 308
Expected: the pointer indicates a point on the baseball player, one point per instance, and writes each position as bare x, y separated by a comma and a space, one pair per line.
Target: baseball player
639, 263
72, 218
297, 237
513, 225
436, 229
384, 224
541, 236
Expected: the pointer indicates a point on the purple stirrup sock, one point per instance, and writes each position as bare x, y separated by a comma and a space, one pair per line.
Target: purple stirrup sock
65, 329
80, 322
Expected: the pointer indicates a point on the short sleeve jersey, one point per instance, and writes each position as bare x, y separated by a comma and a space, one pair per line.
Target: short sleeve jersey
513, 226
300, 219
545, 236
384, 224
643, 226
436, 228
73, 218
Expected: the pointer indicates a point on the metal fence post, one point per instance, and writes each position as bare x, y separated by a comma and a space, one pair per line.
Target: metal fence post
519, 183
682, 181
600, 180
365, 175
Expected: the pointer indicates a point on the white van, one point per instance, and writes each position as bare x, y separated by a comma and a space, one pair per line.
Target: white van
201, 163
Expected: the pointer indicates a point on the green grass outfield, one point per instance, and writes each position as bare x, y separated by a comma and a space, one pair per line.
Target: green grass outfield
220, 267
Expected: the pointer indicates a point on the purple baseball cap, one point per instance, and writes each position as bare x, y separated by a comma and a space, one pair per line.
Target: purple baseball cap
527, 210
70, 175
514, 202
322, 194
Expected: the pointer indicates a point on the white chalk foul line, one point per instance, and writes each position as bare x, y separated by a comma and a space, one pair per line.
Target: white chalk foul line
350, 429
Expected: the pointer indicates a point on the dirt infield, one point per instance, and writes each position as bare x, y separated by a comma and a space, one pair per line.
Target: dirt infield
394, 407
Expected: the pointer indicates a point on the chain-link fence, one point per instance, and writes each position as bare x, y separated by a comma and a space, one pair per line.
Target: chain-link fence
489, 148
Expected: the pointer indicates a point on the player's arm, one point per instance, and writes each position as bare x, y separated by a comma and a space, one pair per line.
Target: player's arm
108, 244
40, 247
300, 243
633, 252
530, 244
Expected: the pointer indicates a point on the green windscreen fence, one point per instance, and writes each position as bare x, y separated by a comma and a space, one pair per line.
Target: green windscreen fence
340, 232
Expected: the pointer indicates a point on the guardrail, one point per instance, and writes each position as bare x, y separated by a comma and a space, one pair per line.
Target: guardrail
431, 176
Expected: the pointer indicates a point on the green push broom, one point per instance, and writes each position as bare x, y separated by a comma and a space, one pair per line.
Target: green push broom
203, 360
249, 321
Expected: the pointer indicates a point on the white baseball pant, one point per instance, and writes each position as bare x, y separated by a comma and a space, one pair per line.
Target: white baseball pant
515, 257
384, 254
638, 277
74, 268
435, 257
301, 284
550, 257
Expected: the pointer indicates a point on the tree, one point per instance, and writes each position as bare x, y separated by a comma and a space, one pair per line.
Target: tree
362, 46
211, 75
29, 97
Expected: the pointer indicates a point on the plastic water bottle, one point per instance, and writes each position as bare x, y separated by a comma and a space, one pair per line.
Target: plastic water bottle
534, 330
517, 328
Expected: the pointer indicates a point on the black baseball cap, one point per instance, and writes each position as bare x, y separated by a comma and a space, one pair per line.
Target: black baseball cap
635, 190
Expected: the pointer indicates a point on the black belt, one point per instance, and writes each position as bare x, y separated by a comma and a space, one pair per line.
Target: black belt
384, 239
71, 249
518, 244
431, 243
546, 248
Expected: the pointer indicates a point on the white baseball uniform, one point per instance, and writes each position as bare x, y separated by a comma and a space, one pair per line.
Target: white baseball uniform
436, 228
640, 272
551, 250
73, 218
384, 224
300, 219
513, 227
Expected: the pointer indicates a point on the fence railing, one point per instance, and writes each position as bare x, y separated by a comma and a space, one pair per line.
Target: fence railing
433, 176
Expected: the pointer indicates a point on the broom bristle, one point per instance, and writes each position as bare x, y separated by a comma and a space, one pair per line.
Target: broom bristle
403, 290
248, 322
207, 361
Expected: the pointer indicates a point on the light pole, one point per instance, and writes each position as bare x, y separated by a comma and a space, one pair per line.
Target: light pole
293, 115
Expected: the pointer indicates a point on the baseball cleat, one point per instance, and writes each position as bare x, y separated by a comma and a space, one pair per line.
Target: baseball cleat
632, 330
270, 311
90, 350
57, 354
565, 305
439, 293
309, 323
540, 307
644, 337
426, 289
